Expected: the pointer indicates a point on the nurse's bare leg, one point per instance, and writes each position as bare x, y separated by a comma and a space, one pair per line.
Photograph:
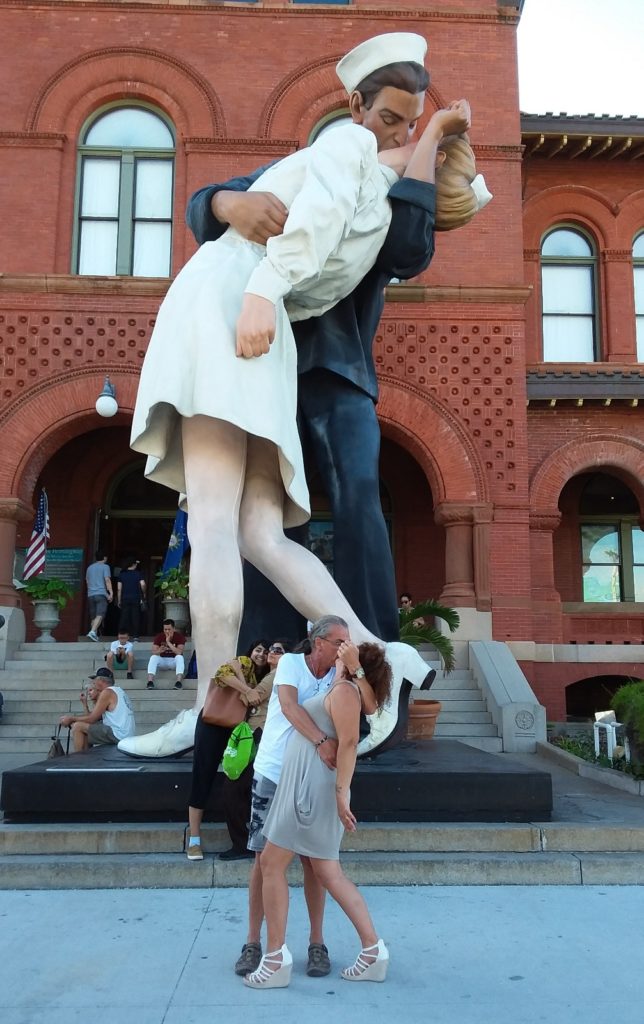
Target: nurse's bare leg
214, 455
215, 461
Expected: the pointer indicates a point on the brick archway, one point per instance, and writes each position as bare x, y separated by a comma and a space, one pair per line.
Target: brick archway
623, 458
304, 97
128, 71
436, 439
53, 413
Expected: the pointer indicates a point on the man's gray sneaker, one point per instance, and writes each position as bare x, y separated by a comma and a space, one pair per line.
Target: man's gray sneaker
248, 962
319, 964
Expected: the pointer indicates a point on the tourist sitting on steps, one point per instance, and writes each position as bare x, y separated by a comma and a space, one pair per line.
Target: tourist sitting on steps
167, 653
111, 718
121, 654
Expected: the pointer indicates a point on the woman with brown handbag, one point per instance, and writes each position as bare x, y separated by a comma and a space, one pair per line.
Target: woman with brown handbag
241, 675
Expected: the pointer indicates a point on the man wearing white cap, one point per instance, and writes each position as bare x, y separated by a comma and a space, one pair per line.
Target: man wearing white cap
337, 386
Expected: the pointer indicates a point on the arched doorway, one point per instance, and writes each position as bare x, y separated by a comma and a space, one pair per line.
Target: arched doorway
136, 522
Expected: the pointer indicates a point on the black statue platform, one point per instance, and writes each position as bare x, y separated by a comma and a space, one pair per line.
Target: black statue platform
437, 780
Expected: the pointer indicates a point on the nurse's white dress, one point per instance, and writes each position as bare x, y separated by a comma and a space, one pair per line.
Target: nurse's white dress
336, 193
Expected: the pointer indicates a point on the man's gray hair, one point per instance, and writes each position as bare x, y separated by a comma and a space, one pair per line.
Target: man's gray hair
321, 627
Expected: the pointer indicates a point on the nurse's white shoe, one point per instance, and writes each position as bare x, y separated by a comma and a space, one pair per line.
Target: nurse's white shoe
389, 725
170, 740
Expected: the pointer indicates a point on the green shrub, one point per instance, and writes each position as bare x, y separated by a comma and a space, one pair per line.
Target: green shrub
40, 589
172, 585
628, 705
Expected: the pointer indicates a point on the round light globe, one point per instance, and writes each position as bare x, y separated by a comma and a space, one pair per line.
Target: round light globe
106, 406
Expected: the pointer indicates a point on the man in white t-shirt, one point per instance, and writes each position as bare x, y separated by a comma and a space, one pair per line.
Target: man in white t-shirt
121, 653
110, 720
298, 677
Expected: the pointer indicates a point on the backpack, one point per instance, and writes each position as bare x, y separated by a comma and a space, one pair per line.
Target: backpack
240, 751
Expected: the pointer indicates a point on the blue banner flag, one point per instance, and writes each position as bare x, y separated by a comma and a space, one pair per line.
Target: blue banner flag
178, 543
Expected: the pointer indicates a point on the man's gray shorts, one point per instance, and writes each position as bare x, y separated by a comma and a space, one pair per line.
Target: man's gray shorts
99, 734
261, 799
97, 605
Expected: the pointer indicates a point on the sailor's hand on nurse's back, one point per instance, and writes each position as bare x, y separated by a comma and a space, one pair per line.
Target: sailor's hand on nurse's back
255, 326
256, 216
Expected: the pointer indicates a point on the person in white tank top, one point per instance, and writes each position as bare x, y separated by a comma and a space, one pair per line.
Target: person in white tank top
110, 720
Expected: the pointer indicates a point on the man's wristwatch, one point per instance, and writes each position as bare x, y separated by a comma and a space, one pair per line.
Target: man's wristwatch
359, 673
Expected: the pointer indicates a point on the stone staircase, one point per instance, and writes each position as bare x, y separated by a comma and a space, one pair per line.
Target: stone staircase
43, 682
464, 714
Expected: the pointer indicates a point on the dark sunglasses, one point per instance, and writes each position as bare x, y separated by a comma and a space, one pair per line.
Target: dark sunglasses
276, 650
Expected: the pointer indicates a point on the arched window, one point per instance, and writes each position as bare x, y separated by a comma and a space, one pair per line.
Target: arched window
612, 542
568, 297
126, 169
330, 122
638, 274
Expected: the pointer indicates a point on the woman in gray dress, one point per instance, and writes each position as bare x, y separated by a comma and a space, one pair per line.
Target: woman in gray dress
309, 815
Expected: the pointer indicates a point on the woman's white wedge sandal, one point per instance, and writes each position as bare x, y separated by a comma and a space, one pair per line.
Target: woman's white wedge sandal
272, 973
371, 964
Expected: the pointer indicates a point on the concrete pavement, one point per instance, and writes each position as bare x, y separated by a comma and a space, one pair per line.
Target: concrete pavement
475, 955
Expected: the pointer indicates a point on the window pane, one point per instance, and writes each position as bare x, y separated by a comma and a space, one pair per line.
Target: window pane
638, 247
601, 583
153, 189
638, 579
639, 331
130, 128
637, 537
565, 243
567, 289
568, 339
600, 543
100, 188
151, 250
98, 247
639, 289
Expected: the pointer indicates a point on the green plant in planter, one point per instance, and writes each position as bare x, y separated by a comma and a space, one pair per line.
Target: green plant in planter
412, 632
628, 705
40, 589
172, 585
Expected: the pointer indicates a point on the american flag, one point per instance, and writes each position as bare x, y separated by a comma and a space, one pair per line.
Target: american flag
37, 550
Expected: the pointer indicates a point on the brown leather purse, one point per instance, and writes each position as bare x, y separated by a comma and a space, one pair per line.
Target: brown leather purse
223, 706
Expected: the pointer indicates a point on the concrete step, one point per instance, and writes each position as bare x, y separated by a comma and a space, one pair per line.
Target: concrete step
447, 729
187, 691
144, 712
447, 716
174, 870
472, 706
108, 856
491, 744
442, 694
42, 671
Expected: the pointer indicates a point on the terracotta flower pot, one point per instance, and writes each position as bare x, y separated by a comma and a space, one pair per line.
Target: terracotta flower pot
422, 719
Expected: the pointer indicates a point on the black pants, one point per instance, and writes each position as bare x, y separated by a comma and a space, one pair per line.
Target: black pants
236, 799
341, 435
210, 743
130, 620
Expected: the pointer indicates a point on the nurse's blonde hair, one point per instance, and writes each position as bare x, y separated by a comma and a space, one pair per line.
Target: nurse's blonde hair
456, 200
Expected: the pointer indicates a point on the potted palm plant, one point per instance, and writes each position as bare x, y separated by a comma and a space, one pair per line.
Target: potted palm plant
628, 705
417, 631
49, 597
173, 587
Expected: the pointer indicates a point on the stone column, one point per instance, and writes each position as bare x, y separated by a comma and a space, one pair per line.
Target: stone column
459, 545
12, 512
12, 633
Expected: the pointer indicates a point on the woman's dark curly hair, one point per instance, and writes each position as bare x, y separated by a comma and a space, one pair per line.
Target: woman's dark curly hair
377, 671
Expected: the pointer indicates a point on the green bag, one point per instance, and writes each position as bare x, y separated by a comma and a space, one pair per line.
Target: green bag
240, 751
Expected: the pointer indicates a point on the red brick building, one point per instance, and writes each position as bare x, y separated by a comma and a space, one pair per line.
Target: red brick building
510, 373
